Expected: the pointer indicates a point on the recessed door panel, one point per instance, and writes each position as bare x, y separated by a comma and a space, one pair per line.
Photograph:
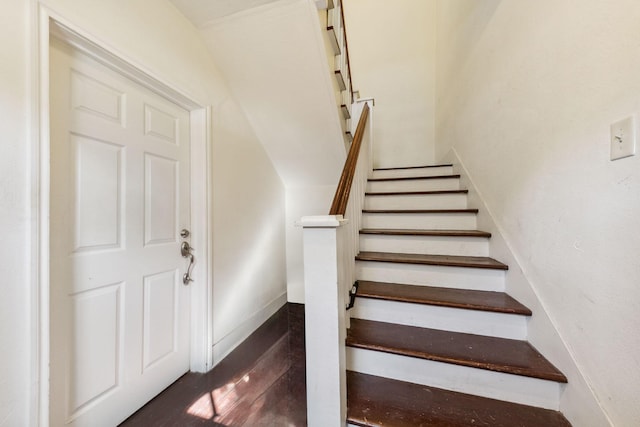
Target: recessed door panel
159, 316
95, 343
161, 124
97, 98
98, 195
161, 176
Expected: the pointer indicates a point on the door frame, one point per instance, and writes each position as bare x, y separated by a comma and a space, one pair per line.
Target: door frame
46, 25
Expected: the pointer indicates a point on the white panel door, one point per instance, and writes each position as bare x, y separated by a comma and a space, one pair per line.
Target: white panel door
119, 198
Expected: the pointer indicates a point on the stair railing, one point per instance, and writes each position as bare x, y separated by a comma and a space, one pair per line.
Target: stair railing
341, 65
331, 243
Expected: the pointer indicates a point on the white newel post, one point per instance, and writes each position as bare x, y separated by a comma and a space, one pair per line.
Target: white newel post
325, 327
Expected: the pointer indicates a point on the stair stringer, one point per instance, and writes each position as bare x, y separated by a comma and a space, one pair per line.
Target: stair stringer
578, 402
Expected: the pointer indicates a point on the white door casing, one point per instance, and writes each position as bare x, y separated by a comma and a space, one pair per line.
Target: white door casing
119, 198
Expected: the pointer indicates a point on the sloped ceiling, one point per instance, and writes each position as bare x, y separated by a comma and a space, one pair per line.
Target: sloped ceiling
273, 59
201, 11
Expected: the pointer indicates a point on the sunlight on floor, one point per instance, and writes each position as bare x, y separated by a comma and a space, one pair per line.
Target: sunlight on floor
221, 406
202, 408
222, 397
205, 406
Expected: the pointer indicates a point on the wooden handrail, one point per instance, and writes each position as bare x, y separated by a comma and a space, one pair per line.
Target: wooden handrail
339, 205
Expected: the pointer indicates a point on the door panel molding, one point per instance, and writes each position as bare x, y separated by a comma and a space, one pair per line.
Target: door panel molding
46, 26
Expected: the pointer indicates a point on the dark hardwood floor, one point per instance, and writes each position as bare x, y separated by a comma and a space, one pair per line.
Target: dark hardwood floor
261, 383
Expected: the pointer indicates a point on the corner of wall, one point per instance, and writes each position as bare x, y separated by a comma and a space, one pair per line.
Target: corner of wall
577, 400
234, 338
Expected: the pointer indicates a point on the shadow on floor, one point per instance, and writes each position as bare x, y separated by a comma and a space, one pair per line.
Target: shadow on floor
261, 383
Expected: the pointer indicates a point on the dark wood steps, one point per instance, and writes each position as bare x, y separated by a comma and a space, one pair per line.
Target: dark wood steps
407, 178
413, 167
476, 351
420, 211
377, 401
416, 193
437, 233
426, 259
497, 302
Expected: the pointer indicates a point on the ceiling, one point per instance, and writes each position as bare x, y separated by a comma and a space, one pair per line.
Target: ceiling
202, 11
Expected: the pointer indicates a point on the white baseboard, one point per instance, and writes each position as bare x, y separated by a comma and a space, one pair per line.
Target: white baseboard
234, 338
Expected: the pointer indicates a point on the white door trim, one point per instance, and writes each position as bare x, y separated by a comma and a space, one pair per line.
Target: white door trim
48, 24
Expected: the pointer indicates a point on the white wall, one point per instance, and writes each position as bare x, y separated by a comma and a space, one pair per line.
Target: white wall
526, 92
248, 233
14, 214
274, 59
392, 54
248, 199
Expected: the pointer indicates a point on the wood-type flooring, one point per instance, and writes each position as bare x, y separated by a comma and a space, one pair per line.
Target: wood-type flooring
260, 384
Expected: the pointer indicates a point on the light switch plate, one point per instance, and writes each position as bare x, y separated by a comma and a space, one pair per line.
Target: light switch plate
623, 138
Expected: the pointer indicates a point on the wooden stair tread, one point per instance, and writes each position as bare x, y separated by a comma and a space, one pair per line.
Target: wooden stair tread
415, 193
409, 232
413, 167
443, 260
420, 211
377, 401
497, 302
477, 351
407, 178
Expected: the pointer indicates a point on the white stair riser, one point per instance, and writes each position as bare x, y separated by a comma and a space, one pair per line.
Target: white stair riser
438, 245
414, 185
430, 201
445, 318
431, 275
431, 221
481, 382
401, 173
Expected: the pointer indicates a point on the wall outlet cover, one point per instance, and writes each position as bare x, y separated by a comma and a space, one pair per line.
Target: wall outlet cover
623, 138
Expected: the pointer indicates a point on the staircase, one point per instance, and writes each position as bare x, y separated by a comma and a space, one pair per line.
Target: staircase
434, 340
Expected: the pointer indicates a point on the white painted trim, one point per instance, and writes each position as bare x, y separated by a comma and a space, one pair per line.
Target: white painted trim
229, 342
201, 240
477, 322
116, 62
459, 378
370, 100
325, 326
40, 189
49, 24
322, 4
322, 221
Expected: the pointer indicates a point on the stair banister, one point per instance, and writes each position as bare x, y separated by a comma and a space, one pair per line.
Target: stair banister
346, 51
330, 245
339, 205
338, 45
